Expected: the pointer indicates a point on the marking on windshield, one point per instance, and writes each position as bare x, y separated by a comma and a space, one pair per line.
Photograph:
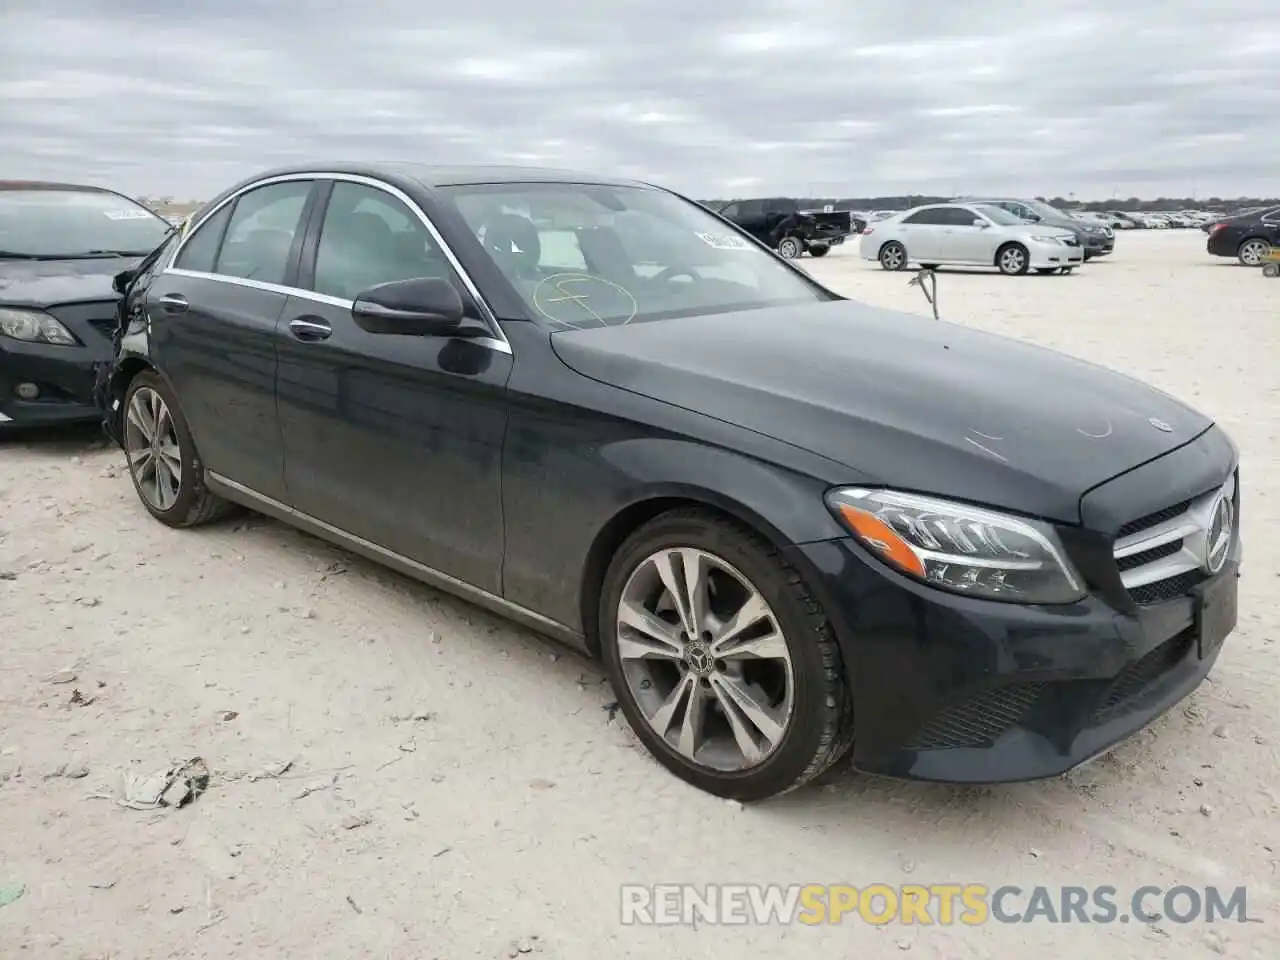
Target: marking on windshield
568, 286
126, 215
1097, 436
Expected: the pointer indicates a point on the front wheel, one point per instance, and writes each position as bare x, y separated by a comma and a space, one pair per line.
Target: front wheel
1012, 259
819, 250
893, 256
163, 463
790, 247
1252, 251
722, 661
1271, 270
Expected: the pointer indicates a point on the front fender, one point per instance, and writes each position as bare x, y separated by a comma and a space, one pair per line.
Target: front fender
567, 507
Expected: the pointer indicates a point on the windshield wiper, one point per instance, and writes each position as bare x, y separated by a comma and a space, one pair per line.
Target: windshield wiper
15, 255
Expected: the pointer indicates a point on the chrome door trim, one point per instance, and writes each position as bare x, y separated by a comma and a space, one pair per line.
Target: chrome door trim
246, 496
498, 342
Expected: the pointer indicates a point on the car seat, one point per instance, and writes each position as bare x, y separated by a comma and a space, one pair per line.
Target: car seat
514, 244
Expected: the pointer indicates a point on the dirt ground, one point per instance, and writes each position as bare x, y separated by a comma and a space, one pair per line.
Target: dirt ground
459, 788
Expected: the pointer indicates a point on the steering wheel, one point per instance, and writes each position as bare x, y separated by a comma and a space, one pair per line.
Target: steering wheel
675, 270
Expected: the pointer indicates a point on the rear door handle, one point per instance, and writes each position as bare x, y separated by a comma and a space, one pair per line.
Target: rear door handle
174, 303
310, 330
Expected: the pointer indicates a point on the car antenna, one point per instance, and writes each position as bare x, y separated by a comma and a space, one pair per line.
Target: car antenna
926, 279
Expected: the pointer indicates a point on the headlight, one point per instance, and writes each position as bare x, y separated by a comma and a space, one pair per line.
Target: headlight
34, 326
1047, 239
960, 548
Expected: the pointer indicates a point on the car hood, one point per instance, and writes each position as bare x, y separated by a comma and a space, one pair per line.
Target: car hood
899, 400
47, 283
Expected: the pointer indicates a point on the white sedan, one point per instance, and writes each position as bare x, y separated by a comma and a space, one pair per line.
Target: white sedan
974, 235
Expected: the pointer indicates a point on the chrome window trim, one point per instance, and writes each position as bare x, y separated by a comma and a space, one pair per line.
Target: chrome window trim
498, 342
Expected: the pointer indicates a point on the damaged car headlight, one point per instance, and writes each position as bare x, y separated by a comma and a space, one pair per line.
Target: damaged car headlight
34, 326
961, 548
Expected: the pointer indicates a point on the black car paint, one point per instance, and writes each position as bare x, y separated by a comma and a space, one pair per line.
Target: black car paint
1225, 241
509, 478
79, 294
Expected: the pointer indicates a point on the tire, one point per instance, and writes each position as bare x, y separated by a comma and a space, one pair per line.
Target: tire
1065, 271
1271, 269
187, 503
791, 247
1013, 260
819, 250
893, 256
1252, 250
807, 683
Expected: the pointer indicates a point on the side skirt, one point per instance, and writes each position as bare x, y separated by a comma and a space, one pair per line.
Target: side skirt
238, 493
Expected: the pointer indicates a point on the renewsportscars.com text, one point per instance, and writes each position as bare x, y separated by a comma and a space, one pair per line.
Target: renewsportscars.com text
944, 904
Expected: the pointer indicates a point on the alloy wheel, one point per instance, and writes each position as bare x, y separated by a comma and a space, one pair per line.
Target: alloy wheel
1252, 252
153, 449
1012, 260
705, 659
789, 248
892, 258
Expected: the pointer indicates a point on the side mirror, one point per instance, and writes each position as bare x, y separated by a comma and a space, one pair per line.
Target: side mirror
980, 223
1033, 217
421, 307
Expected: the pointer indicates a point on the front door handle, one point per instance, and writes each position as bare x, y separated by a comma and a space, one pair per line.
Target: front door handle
310, 330
174, 303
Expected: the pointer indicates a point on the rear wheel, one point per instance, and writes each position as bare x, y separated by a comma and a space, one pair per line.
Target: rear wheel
819, 250
791, 247
893, 256
722, 661
1012, 259
1271, 270
163, 463
1252, 251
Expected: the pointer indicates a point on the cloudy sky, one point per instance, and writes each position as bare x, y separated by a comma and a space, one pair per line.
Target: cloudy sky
714, 97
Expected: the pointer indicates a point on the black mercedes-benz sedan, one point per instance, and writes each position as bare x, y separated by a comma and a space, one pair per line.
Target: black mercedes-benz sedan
60, 247
793, 527
1248, 237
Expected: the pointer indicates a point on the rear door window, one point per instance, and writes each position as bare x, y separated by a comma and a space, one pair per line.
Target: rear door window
260, 235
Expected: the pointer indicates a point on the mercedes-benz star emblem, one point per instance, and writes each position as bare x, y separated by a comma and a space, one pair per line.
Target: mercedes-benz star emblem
1218, 537
699, 659
1160, 424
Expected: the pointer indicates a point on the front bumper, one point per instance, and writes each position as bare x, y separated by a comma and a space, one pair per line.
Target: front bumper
955, 689
64, 377
1046, 255
1099, 246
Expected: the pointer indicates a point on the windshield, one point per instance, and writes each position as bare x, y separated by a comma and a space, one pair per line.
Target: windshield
61, 224
1047, 211
999, 215
583, 255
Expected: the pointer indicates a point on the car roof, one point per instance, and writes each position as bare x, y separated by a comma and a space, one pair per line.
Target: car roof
49, 185
430, 176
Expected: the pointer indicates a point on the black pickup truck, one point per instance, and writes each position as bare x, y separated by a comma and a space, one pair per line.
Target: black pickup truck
780, 223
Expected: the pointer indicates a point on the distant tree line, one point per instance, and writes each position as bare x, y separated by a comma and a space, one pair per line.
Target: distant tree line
1133, 204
